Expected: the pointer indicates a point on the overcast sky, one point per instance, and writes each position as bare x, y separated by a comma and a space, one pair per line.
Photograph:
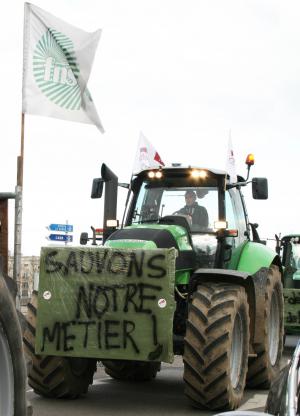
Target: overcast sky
184, 72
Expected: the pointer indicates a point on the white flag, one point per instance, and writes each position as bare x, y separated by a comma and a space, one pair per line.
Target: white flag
146, 156
230, 165
57, 62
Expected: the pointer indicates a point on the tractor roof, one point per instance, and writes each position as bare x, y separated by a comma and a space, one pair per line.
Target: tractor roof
288, 236
182, 169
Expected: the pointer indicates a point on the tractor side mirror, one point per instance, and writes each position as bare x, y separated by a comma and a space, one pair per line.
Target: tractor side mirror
97, 188
84, 238
260, 188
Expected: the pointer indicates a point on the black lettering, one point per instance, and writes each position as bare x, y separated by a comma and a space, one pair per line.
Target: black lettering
117, 264
155, 267
64, 327
143, 296
86, 336
114, 297
51, 336
109, 334
133, 264
127, 335
87, 301
71, 263
52, 266
130, 293
102, 308
100, 260
86, 261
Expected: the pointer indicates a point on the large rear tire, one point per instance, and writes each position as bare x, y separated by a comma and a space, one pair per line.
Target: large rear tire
55, 377
12, 364
131, 370
263, 369
216, 346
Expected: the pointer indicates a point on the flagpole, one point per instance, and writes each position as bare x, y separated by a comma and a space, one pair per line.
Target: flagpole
20, 170
225, 183
18, 210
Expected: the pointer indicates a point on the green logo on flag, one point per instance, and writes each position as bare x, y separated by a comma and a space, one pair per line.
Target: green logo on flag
56, 71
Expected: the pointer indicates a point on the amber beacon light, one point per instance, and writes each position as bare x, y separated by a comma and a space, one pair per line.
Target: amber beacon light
250, 160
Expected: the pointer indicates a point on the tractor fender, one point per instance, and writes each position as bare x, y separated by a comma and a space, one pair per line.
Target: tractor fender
254, 256
255, 288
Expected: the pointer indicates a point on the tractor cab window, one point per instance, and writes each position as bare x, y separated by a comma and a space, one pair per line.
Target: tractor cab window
199, 205
230, 215
291, 261
296, 259
235, 215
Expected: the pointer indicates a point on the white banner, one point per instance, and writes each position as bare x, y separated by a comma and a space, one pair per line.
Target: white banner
146, 156
230, 163
57, 62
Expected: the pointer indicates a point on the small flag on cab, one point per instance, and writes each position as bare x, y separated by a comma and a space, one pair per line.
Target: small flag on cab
146, 156
230, 161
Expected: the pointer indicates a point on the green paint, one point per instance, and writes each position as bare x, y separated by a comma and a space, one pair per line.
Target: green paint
56, 70
179, 233
143, 244
182, 278
255, 256
235, 256
106, 303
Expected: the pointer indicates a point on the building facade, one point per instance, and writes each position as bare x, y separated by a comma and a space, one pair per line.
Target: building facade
30, 266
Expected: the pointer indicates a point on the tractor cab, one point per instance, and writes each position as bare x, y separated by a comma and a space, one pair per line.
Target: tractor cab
186, 202
198, 211
202, 201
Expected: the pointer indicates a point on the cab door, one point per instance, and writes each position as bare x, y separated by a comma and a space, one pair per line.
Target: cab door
236, 219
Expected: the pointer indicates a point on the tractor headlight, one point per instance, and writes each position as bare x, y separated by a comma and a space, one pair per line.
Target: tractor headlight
220, 225
112, 223
155, 174
198, 174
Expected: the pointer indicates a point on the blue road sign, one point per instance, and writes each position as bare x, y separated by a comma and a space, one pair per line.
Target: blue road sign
66, 228
61, 237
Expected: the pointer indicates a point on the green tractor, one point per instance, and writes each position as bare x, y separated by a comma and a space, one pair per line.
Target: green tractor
288, 247
165, 282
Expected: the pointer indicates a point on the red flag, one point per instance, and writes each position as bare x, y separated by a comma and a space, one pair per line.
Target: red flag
158, 159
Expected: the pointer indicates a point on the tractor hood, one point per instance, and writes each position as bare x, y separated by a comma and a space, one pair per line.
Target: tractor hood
153, 236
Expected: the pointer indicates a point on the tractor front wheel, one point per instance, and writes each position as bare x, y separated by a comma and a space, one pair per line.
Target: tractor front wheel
55, 377
12, 364
263, 368
216, 346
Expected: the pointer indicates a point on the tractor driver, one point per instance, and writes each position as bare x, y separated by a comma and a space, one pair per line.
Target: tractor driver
196, 214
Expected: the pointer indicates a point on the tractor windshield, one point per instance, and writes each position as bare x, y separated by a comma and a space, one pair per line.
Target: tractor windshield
198, 204
291, 256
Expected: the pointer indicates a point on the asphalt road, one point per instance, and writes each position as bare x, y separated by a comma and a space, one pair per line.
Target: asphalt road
163, 396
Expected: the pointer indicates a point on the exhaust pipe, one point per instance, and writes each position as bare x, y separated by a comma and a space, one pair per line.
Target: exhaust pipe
110, 199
